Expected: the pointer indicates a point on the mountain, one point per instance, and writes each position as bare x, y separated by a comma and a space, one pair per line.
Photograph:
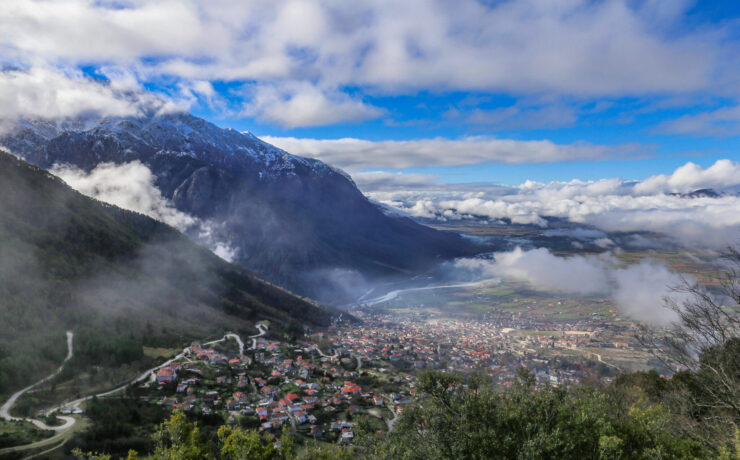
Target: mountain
700, 193
119, 279
297, 222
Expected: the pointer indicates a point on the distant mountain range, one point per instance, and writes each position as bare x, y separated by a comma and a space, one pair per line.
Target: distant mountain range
295, 221
114, 277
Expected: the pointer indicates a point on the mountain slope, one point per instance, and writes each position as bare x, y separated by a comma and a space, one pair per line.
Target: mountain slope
292, 219
121, 280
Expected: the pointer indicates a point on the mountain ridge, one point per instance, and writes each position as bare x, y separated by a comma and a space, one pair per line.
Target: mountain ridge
292, 219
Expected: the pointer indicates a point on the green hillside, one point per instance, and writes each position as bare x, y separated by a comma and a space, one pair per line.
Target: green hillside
120, 280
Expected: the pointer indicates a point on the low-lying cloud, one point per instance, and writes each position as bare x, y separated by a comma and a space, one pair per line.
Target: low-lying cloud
661, 204
131, 186
637, 290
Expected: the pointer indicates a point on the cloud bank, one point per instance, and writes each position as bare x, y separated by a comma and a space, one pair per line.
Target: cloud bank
637, 290
657, 204
131, 186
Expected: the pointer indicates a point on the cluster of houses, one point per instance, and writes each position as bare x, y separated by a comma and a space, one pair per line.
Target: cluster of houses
276, 384
497, 342
273, 386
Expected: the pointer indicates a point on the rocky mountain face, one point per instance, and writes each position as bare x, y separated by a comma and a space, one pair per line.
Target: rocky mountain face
295, 221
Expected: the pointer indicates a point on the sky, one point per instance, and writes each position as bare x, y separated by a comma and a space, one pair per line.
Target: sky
430, 105
494, 91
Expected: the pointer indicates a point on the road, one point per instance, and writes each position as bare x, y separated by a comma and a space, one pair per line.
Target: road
263, 330
68, 421
325, 355
230, 335
598, 357
391, 407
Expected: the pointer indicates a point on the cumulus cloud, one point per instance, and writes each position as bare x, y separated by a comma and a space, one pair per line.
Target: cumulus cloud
306, 105
722, 175
637, 290
329, 49
42, 92
351, 153
655, 204
131, 186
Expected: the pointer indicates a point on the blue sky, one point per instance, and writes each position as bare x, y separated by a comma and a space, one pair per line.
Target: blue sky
627, 120
546, 90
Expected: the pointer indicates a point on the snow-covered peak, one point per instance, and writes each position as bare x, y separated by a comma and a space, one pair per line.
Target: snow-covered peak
180, 134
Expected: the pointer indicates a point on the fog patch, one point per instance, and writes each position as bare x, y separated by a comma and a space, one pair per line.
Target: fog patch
131, 186
338, 284
643, 286
637, 290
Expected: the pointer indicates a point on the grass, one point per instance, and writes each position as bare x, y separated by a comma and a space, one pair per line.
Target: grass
19, 433
46, 445
153, 352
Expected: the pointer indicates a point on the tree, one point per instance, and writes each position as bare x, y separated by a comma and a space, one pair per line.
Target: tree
178, 439
458, 418
236, 443
705, 340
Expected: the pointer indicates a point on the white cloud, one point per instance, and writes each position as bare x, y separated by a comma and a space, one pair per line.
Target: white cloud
351, 153
720, 122
577, 47
641, 288
610, 205
538, 267
128, 186
131, 186
637, 290
42, 92
306, 105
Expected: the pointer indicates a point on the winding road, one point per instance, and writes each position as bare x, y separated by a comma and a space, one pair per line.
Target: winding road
325, 355
263, 330
69, 422
230, 335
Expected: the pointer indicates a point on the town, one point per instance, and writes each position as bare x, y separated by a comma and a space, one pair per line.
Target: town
361, 375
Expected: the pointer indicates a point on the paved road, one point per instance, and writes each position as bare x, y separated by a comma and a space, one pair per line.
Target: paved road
230, 335
68, 421
263, 331
325, 355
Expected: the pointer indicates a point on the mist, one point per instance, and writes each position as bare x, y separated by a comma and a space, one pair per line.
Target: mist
132, 186
638, 291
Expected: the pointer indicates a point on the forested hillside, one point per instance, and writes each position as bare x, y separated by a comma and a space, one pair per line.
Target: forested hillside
120, 280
